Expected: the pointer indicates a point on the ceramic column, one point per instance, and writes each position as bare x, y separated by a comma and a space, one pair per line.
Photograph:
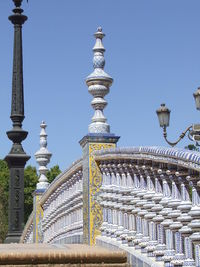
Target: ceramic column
99, 137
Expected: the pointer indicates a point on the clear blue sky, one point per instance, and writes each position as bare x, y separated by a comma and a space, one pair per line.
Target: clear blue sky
152, 52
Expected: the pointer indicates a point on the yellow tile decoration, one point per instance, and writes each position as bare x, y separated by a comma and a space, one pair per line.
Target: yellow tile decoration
38, 234
96, 216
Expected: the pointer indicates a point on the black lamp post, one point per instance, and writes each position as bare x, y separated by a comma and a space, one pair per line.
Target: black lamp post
17, 158
193, 131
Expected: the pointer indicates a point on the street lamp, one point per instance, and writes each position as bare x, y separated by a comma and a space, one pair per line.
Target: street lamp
193, 131
163, 115
197, 98
17, 158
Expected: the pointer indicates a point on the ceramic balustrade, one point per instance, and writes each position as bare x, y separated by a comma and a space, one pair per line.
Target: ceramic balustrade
147, 208
29, 235
146, 203
195, 224
63, 211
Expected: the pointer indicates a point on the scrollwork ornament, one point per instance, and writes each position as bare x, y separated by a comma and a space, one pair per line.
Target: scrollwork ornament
96, 216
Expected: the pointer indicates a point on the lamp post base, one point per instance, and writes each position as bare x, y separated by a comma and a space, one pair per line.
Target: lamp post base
13, 238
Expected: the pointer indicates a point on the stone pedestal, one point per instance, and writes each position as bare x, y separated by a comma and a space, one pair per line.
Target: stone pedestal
92, 181
16, 165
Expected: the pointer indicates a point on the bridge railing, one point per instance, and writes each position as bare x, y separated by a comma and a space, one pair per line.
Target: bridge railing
27, 236
151, 204
62, 208
58, 215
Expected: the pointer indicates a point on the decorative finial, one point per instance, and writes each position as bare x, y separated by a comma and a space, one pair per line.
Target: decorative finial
99, 83
43, 157
17, 2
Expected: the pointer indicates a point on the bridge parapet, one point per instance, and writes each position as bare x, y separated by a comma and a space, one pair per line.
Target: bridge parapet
62, 215
27, 235
150, 204
62, 205
185, 158
144, 200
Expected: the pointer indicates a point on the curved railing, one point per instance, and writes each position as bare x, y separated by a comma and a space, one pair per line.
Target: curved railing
150, 202
151, 206
27, 235
61, 204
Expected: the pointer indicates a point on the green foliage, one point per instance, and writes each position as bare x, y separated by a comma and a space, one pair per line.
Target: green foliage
192, 147
4, 187
30, 181
53, 173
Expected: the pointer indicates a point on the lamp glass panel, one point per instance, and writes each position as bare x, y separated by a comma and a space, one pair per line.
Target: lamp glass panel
163, 118
197, 101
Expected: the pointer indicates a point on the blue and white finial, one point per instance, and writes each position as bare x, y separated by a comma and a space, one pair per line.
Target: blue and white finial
43, 157
99, 83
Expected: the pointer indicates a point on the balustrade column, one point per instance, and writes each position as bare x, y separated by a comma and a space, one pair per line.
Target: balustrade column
125, 202
119, 204
103, 198
115, 198
129, 206
135, 210
195, 224
151, 240
184, 230
133, 175
142, 213
140, 202
160, 247
169, 252
176, 225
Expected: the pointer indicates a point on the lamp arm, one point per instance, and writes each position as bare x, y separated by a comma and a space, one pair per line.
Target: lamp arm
189, 136
180, 137
197, 144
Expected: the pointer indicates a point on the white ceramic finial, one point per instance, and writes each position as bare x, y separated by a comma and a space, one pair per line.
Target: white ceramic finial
99, 83
43, 157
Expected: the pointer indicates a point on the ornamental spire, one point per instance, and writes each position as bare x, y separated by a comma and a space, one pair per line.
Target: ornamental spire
98, 83
43, 157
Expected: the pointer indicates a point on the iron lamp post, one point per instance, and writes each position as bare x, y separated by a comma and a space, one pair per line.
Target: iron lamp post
193, 131
16, 158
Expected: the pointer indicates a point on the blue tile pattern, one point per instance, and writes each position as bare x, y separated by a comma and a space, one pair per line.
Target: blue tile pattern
174, 154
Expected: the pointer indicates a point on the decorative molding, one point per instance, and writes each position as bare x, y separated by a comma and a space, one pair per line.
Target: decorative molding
184, 158
38, 217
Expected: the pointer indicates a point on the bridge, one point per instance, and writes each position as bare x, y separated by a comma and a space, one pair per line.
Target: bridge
143, 200
136, 206
140, 200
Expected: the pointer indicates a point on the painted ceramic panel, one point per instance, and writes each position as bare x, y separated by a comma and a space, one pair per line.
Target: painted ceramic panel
38, 233
95, 179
